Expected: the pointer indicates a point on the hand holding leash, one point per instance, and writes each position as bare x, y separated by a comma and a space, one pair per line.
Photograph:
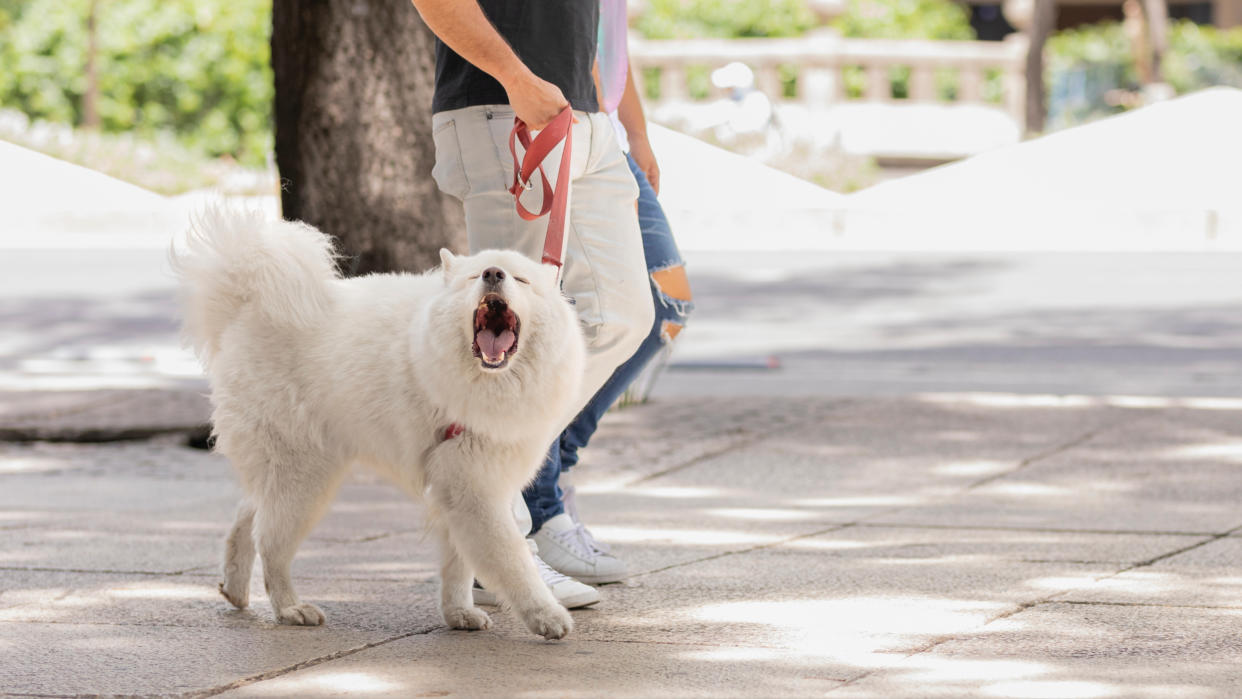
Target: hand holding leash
555, 198
536, 102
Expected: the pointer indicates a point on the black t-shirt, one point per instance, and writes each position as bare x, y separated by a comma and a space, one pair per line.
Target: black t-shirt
554, 38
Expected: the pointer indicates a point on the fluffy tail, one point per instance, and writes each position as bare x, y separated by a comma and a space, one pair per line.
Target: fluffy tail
231, 259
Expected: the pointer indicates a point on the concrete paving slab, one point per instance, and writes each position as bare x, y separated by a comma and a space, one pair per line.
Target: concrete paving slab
1221, 554
1155, 473
70, 658
652, 536
796, 482
192, 600
37, 496
1166, 586
854, 466
998, 546
651, 526
72, 549
165, 459
409, 557
1209, 576
171, 489
482, 664
643, 441
1076, 650
851, 611
102, 415
406, 557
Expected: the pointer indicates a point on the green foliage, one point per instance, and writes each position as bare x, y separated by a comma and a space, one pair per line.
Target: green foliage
1202, 56
1089, 44
196, 68
1081, 66
905, 19
729, 19
1087, 66
902, 19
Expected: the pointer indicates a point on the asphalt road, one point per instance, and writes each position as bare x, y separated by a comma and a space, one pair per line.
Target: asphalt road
1151, 324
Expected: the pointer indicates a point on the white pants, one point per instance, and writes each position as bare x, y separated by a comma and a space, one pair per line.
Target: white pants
605, 272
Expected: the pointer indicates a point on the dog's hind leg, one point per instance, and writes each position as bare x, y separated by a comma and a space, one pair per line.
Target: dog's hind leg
456, 596
239, 557
294, 500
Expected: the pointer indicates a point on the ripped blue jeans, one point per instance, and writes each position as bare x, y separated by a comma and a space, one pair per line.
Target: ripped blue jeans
543, 497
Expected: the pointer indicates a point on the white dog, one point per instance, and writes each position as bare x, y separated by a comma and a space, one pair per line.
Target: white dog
451, 383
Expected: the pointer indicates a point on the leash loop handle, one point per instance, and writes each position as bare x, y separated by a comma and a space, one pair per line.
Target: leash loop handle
555, 198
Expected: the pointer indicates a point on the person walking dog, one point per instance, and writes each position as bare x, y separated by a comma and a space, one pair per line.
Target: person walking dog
496, 60
564, 542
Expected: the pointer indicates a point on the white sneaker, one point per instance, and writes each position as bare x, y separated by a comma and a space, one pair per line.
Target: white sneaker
569, 592
568, 547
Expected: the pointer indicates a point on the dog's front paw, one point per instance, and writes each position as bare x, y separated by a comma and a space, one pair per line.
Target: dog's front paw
551, 622
238, 598
301, 615
470, 618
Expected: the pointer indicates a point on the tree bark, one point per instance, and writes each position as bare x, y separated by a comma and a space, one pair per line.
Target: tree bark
1156, 13
1043, 20
354, 80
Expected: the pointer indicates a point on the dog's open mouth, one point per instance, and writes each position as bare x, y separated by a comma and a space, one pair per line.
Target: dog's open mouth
496, 330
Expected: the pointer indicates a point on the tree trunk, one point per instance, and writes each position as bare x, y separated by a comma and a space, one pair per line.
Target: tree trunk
1043, 20
354, 81
1157, 14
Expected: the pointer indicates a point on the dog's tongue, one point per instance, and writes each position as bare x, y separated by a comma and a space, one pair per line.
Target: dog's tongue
494, 346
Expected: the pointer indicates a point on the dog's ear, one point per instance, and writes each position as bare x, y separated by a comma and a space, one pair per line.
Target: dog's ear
446, 261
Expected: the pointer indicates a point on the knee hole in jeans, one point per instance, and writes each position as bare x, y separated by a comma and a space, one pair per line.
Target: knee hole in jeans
673, 282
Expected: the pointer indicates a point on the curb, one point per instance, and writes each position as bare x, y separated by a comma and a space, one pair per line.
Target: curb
105, 415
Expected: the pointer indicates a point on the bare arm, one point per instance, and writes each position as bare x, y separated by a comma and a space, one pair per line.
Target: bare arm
462, 25
630, 112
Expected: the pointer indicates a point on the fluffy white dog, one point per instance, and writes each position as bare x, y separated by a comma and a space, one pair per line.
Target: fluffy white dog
451, 383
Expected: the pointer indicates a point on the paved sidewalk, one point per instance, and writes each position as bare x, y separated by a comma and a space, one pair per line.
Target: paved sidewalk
940, 545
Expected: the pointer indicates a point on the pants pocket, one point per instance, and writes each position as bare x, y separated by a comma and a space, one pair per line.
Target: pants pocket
449, 172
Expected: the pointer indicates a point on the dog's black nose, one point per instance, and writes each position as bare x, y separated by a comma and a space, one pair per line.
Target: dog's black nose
493, 275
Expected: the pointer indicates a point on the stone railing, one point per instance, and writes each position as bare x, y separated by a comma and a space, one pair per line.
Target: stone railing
819, 63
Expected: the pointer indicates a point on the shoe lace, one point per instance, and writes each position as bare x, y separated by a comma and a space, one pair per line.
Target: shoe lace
579, 538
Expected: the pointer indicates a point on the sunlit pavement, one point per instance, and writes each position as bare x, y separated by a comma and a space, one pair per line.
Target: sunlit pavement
993, 475
986, 544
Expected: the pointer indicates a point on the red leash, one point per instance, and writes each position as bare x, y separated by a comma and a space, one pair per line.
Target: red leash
554, 198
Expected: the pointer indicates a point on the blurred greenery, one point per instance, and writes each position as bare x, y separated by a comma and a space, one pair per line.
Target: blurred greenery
902, 19
159, 163
905, 19
198, 69
729, 19
1088, 66
875, 19
734, 19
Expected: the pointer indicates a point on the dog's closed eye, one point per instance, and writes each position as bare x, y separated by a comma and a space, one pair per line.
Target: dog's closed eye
524, 281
